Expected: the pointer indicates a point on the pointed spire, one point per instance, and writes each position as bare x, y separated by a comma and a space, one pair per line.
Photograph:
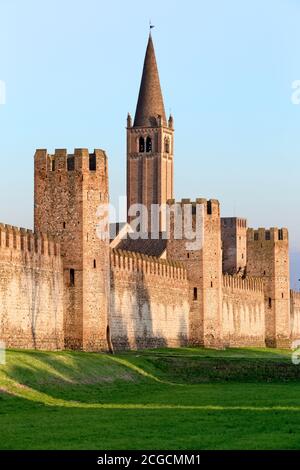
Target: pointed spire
150, 102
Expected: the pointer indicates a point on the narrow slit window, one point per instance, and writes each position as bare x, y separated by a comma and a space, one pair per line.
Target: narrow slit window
270, 302
95, 264
72, 277
195, 293
52, 165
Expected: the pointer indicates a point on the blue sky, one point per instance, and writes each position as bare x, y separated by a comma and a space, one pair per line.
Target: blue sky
72, 70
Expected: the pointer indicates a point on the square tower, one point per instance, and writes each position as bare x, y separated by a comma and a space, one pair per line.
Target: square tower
234, 244
202, 258
268, 258
69, 188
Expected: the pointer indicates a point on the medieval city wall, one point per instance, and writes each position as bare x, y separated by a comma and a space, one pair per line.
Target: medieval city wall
149, 302
243, 321
295, 315
31, 290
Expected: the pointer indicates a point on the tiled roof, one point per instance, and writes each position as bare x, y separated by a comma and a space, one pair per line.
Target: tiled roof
147, 247
150, 102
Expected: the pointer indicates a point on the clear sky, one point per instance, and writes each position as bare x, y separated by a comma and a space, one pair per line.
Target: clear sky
72, 70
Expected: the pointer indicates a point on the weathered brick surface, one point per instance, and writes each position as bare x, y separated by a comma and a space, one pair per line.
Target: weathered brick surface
234, 244
31, 290
204, 271
295, 315
68, 192
268, 257
150, 175
243, 320
149, 302
125, 299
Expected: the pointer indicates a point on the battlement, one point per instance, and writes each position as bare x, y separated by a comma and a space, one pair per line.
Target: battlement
233, 222
212, 206
80, 160
295, 297
248, 283
137, 262
24, 240
273, 234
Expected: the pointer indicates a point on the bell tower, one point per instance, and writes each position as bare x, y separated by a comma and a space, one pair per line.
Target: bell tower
150, 148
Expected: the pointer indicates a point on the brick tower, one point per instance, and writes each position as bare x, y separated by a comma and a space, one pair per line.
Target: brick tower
68, 192
234, 244
268, 257
204, 269
150, 145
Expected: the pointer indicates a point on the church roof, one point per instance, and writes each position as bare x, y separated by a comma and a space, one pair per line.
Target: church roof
149, 247
150, 102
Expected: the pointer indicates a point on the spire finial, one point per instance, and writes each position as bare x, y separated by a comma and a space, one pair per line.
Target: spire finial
150, 102
151, 26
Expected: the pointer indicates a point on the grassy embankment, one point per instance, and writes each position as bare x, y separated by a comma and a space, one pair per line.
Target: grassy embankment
158, 399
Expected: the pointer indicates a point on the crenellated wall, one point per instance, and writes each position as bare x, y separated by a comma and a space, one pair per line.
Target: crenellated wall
243, 320
31, 290
295, 315
149, 302
80, 294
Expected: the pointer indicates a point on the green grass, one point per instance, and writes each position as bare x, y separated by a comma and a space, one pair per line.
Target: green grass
159, 399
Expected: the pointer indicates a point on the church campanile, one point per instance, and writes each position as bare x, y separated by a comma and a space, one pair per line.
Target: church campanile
150, 145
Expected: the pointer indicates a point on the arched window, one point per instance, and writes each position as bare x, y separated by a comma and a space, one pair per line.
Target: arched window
167, 145
149, 144
142, 145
